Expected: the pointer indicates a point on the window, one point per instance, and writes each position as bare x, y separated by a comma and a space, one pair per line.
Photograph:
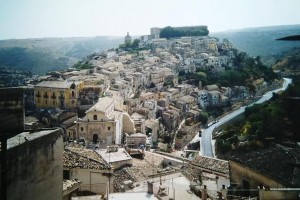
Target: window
66, 174
108, 128
53, 102
81, 128
73, 94
95, 117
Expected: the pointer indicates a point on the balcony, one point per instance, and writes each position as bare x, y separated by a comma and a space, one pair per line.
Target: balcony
53, 96
38, 95
61, 97
46, 96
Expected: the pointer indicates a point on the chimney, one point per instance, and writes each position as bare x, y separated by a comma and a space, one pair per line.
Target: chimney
204, 193
150, 187
224, 192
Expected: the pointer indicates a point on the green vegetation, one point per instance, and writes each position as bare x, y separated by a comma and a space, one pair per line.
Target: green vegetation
12, 77
169, 32
203, 117
131, 46
246, 70
82, 65
34, 60
290, 62
274, 121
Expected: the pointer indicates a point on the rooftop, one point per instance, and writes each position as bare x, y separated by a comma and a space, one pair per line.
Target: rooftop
56, 84
151, 123
146, 94
136, 116
279, 162
27, 137
211, 164
211, 87
84, 159
111, 157
137, 135
187, 98
102, 105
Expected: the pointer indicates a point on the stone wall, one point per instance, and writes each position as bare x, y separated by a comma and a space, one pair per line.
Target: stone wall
273, 194
240, 174
35, 165
92, 180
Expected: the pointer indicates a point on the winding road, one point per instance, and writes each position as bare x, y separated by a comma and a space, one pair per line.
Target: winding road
206, 139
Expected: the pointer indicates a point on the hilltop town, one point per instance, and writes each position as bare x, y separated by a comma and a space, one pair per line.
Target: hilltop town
130, 115
145, 85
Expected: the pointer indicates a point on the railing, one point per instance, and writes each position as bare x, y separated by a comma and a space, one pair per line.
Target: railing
46, 96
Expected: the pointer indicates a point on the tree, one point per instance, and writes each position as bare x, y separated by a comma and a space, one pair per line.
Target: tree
135, 43
203, 117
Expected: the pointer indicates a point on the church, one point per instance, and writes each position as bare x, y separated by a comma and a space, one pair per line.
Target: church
105, 123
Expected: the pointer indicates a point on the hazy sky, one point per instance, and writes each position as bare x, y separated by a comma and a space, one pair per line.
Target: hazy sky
67, 18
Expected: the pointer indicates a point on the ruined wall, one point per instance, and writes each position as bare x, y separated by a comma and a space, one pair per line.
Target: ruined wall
34, 167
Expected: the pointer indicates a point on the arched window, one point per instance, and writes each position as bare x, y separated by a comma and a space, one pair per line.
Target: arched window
95, 117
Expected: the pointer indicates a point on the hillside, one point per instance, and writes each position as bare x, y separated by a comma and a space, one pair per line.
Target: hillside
261, 41
48, 54
288, 61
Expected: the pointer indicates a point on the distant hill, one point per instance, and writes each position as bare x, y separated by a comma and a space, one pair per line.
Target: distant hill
261, 41
288, 61
42, 55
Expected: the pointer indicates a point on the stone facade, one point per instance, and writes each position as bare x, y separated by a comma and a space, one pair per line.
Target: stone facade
105, 124
57, 94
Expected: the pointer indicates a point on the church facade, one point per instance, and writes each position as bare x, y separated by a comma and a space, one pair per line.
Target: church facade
105, 124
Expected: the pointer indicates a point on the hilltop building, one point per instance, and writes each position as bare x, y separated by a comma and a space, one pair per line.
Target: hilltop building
127, 39
154, 32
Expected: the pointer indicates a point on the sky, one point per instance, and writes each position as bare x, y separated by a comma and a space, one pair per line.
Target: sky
84, 18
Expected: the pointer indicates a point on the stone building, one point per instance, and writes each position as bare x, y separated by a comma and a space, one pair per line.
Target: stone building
127, 39
152, 127
105, 123
57, 94
88, 167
